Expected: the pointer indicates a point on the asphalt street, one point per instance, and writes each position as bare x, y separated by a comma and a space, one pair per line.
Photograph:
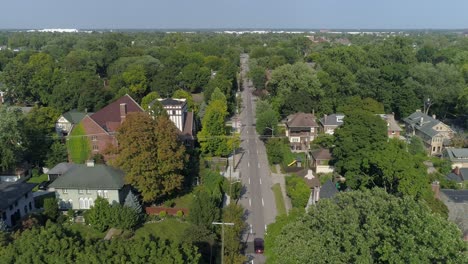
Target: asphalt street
257, 199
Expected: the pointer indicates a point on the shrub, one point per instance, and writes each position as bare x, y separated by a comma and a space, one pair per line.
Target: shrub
297, 189
51, 209
180, 213
162, 214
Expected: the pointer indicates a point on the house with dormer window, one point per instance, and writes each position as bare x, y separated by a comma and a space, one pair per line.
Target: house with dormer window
434, 133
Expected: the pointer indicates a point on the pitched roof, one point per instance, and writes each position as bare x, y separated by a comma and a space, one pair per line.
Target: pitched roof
454, 177
171, 101
328, 190
108, 116
321, 154
456, 196
332, 120
60, 168
73, 116
301, 120
188, 126
12, 191
457, 154
99, 176
427, 124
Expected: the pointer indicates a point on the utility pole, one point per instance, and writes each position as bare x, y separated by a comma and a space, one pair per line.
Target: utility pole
222, 237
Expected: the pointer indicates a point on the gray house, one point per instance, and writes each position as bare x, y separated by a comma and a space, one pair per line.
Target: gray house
16, 201
66, 121
79, 187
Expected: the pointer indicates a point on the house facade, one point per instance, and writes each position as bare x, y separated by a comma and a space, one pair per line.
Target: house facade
434, 134
321, 161
66, 121
393, 129
301, 129
178, 113
328, 123
16, 201
101, 126
79, 187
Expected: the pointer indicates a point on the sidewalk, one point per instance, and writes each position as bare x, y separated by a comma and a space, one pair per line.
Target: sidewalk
279, 178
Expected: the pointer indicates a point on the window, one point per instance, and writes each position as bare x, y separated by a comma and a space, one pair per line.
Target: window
80, 191
25, 209
99, 193
105, 194
26, 195
95, 147
86, 203
393, 132
30, 206
82, 203
94, 138
88, 191
70, 203
173, 112
64, 191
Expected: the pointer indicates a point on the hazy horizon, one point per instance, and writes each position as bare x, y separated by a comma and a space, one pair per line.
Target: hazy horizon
241, 14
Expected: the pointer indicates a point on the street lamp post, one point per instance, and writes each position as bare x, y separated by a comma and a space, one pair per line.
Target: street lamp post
222, 237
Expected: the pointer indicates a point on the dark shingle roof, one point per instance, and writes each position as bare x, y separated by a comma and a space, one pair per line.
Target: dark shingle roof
456, 196
81, 176
328, 190
427, 124
188, 126
60, 168
453, 177
332, 120
108, 116
73, 116
12, 191
301, 120
457, 154
322, 154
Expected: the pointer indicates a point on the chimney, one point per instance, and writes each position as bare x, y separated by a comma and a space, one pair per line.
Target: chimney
90, 163
456, 171
86, 110
421, 122
418, 110
434, 116
324, 119
436, 189
123, 112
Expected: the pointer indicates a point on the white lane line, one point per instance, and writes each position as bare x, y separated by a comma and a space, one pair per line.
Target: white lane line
263, 204
265, 228
251, 229
248, 164
250, 202
259, 165
247, 131
249, 180
260, 180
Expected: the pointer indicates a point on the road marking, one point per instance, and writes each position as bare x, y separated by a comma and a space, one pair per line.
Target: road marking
259, 165
257, 151
263, 204
248, 164
265, 228
251, 229
260, 180
249, 180
250, 202
247, 131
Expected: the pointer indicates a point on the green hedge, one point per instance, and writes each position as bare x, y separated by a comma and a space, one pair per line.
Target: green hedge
297, 189
78, 145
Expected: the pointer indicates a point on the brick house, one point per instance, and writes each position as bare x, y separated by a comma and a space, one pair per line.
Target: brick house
101, 126
393, 129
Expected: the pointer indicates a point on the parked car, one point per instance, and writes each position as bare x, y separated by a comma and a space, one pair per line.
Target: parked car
258, 245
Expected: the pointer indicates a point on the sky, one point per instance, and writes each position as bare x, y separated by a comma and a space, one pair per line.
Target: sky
207, 14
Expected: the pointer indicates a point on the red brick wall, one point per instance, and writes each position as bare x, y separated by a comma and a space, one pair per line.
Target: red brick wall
97, 136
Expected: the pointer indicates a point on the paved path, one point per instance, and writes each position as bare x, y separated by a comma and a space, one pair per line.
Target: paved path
278, 177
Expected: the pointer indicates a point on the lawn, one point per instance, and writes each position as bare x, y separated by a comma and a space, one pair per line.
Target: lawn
280, 207
38, 179
273, 168
183, 201
86, 231
170, 229
78, 145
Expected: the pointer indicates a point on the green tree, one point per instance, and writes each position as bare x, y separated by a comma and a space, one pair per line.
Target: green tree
367, 227
131, 201
147, 99
51, 209
151, 155
297, 189
267, 122
100, 215
362, 136
182, 94
57, 153
12, 141
416, 146
212, 137
193, 77
233, 213
135, 80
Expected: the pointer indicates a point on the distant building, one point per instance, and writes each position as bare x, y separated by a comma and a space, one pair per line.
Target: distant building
331, 122
434, 134
301, 129
79, 186
178, 113
16, 201
59, 170
101, 126
458, 157
66, 121
393, 129
321, 161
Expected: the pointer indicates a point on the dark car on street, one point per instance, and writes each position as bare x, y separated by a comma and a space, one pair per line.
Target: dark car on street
258, 245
